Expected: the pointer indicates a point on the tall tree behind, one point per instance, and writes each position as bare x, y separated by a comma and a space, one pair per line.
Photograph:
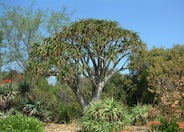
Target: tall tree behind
23, 26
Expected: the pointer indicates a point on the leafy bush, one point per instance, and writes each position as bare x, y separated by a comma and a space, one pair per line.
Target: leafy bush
20, 123
103, 116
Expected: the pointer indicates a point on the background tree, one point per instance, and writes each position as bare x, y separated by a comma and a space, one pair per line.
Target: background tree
163, 70
128, 89
96, 49
23, 26
115, 88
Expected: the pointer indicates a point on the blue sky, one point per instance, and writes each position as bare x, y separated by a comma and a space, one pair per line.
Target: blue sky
160, 23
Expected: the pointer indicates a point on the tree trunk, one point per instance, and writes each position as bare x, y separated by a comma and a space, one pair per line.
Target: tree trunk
97, 91
81, 98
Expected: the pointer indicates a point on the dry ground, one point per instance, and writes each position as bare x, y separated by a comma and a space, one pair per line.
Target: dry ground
74, 127
50, 127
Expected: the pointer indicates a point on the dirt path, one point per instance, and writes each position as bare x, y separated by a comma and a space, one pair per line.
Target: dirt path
50, 127
74, 127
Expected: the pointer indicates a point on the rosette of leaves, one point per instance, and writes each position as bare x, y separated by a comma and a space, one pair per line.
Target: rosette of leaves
32, 107
24, 89
8, 93
103, 116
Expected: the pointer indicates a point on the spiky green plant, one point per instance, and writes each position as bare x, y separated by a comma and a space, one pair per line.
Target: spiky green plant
24, 88
32, 107
8, 93
103, 116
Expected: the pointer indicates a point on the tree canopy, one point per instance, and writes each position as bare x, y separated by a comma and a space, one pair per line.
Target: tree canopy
95, 49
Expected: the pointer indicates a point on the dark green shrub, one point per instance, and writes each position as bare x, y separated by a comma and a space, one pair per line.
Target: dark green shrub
20, 123
65, 113
103, 116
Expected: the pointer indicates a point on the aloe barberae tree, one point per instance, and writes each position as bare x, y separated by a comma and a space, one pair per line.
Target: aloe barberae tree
95, 49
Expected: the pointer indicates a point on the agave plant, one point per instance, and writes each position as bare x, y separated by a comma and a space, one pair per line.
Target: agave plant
95, 110
32, 107
11, 91
112, 110
103, 116
7, 95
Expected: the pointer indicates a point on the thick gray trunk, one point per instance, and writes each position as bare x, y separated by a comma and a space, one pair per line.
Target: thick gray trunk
97, 91
81, 98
